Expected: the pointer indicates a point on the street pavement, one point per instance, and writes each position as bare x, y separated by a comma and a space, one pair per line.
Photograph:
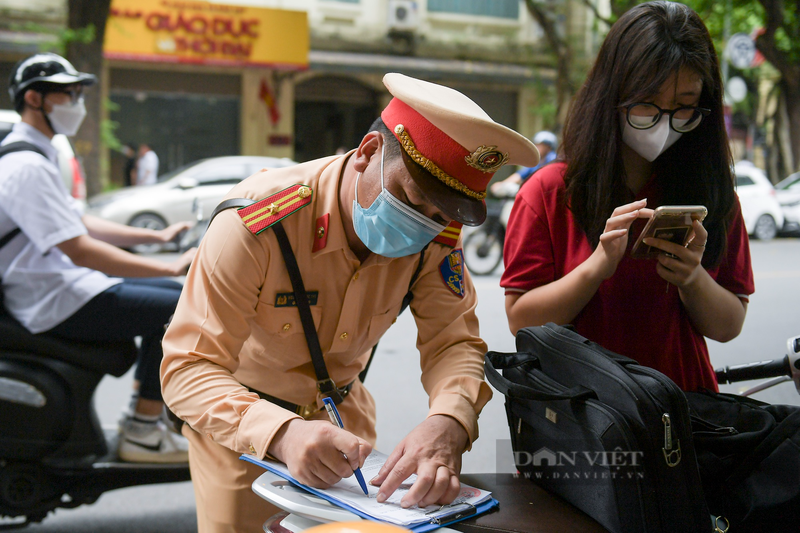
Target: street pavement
402, 403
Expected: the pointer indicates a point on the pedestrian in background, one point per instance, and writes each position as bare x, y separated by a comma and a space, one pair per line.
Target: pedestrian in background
547, 144
146, 166
129, 170
646, 129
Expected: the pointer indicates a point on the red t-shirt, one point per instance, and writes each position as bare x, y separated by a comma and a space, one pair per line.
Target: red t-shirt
632, 313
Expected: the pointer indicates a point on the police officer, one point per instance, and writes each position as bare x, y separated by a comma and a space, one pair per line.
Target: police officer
237, 366
61, 271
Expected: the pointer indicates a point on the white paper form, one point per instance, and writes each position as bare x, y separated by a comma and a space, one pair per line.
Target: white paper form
349, 493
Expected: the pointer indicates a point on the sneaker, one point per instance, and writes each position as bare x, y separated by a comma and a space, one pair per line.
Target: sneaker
151, 443
127, 412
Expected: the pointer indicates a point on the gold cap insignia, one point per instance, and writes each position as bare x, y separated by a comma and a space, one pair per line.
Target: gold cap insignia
486, 159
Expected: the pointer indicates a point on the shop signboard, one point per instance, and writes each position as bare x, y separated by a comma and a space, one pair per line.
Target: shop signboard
186, 31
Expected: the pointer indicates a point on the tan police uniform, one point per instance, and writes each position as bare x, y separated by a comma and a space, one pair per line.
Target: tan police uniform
237, 328
235, 325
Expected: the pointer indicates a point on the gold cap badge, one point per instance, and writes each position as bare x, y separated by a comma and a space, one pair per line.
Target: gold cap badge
486, 159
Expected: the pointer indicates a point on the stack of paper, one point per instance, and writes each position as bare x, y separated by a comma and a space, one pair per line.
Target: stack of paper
347, 494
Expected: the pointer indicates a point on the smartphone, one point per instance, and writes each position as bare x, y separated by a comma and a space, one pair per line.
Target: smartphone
671, 223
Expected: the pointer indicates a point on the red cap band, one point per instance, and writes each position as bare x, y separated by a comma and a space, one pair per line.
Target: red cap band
434, 150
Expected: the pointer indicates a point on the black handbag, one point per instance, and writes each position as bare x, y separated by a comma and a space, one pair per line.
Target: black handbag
611, 437
749, 457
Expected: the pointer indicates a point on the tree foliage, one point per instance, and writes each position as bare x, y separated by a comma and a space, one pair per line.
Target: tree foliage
87, 19
776, 26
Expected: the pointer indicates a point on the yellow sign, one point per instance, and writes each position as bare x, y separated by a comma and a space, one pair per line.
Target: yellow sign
178, 31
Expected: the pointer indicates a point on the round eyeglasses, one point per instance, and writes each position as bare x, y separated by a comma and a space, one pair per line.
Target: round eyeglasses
683, 119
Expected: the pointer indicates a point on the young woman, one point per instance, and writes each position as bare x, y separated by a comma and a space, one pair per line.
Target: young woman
646, 129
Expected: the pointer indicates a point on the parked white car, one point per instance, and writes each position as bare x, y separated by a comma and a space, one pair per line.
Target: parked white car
763, 216
71, 170
788, 191
188, 193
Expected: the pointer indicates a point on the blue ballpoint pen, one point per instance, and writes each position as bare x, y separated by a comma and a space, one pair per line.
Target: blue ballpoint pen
333, 413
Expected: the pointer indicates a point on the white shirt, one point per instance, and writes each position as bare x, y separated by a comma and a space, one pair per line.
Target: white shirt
147, 169
42, 287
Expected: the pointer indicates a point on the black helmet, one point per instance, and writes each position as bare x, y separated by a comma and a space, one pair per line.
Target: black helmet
48, 68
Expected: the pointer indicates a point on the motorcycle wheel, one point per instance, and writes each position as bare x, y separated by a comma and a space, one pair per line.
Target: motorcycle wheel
483, 252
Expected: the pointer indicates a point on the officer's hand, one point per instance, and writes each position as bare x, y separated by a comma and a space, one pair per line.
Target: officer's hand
315, 450
433, 451
172, 232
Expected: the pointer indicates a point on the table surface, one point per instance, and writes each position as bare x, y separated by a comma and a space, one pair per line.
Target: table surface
524, 508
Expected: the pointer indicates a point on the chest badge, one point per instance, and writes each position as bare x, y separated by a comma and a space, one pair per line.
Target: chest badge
452, 271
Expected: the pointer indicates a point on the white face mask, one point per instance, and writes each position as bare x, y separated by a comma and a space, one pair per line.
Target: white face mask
652, 142
67, 118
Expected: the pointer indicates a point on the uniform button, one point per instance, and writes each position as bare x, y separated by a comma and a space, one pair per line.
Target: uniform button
287, 327
343, 336
356, 276
252, 450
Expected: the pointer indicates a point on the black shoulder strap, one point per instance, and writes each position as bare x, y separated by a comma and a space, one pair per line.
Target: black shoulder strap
325, 384
21, 146
227, 204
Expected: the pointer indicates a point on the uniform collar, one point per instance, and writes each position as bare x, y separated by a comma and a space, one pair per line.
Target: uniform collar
328, 204
22, 131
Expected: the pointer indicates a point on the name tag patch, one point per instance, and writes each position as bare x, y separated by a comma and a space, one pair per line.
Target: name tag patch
452, 271
286, 299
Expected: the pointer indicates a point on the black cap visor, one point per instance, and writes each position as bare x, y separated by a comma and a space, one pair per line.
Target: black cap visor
454, 204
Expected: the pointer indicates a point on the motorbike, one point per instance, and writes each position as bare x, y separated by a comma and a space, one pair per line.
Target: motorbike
53, 451
774, 371
483, 247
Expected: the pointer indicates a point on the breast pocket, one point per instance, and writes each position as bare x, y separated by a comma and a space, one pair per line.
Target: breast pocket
379, 324
280, 334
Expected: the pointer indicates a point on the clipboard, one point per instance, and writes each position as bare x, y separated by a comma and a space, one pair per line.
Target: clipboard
448, 514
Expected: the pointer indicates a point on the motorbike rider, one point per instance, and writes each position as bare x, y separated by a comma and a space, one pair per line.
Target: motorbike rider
63, 272
547, 143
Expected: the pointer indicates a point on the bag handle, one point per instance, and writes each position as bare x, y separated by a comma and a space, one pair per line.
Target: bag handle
523, 392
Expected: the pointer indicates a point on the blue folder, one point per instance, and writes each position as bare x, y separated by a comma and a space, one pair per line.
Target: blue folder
447, 516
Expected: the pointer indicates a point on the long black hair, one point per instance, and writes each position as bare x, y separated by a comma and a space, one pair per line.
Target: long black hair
648, 45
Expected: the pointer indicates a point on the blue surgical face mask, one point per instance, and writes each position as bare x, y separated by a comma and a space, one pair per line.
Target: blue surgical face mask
391, 228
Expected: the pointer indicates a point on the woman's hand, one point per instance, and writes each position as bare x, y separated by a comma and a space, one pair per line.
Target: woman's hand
681, 265
715, 312
614, 240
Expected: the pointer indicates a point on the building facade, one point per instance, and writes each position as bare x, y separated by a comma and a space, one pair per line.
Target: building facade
300, 78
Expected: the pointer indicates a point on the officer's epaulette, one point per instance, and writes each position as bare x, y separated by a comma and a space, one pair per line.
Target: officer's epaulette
449, 237
266, 212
